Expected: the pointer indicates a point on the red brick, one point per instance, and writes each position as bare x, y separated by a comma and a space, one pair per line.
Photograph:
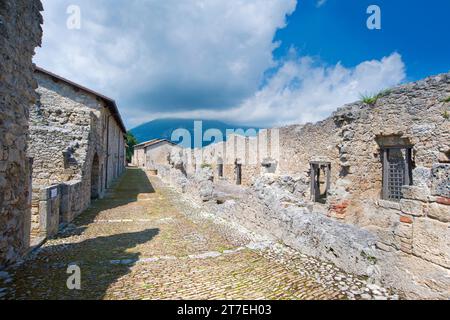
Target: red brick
405, 219
340, 208
443, 200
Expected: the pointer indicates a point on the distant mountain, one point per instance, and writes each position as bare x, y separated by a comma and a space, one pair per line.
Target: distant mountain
163, 129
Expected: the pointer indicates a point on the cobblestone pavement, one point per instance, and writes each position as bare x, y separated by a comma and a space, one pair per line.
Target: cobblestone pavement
140, 242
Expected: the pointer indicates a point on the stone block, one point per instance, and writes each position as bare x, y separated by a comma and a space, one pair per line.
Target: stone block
440, 177
389, 204
432, 241
404, 230
415, 193
412, 207
422, 177
439, 211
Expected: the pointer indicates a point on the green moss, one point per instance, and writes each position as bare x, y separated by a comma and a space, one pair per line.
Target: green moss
446, 99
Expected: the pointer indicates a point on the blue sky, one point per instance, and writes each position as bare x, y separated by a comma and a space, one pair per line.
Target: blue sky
418, 30
252, 62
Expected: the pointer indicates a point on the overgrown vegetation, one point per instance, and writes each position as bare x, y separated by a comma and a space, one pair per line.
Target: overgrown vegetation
131, 142
446, 115
446, 99
205, 165
369, 258
372, 99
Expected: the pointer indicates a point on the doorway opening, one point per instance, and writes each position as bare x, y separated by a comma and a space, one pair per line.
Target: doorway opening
238, 170
320, 181
220, 167
95, 178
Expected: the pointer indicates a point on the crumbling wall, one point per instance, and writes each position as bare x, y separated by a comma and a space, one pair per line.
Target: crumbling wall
65, 133
20, 33
356, 229
157, 154
76, 144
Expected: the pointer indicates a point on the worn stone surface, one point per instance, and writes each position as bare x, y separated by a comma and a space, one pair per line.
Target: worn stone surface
438, 211
432, 241
75, 141
441, 180
20, 33
412, 207
380, 236
145, 242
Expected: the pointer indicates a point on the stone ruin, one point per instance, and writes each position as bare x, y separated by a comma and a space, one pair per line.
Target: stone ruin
20, 33
367, 188
61, 144
77, 144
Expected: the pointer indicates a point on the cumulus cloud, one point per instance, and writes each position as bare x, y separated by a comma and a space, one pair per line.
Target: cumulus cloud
303, 89
202, 59
156, 56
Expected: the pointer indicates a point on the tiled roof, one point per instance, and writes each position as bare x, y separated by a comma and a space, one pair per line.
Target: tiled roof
152, 142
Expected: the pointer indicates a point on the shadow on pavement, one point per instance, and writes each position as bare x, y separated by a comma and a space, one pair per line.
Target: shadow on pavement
45, 275
102, 261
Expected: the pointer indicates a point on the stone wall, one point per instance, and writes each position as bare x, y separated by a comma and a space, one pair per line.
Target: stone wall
403, 244
76, 144
20, 33
157, 154
139, 157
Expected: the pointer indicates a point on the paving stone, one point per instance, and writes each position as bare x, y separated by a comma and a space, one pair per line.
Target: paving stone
138, 257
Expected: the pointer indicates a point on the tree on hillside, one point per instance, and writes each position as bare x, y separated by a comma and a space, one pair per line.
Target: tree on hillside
131, 142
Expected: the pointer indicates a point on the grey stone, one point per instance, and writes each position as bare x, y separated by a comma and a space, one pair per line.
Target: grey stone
440, 182
412, 207
439, 211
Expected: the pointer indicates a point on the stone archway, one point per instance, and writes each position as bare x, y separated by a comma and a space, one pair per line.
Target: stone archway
95, 177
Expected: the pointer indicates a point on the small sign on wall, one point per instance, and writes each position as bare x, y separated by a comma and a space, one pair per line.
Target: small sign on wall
53, 193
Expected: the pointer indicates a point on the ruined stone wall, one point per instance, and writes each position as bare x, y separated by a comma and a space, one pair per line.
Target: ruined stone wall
248, 152
60, 127
158, 154
355, 228
66, 130
116, 145
20, 33
348, 139
72, 132
139, 157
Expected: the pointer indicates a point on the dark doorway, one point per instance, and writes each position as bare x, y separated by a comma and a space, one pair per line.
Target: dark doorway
320, 181
95, 178
238, 173
220, 167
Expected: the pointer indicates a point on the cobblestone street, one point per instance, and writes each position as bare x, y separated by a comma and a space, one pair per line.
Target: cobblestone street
139, 243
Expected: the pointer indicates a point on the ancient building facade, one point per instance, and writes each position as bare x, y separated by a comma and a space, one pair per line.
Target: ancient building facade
20, 33
367, 188
152, 153
77, 143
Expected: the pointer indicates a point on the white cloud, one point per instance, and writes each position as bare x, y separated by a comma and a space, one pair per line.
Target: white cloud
305, 90
200, 58
153, 55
